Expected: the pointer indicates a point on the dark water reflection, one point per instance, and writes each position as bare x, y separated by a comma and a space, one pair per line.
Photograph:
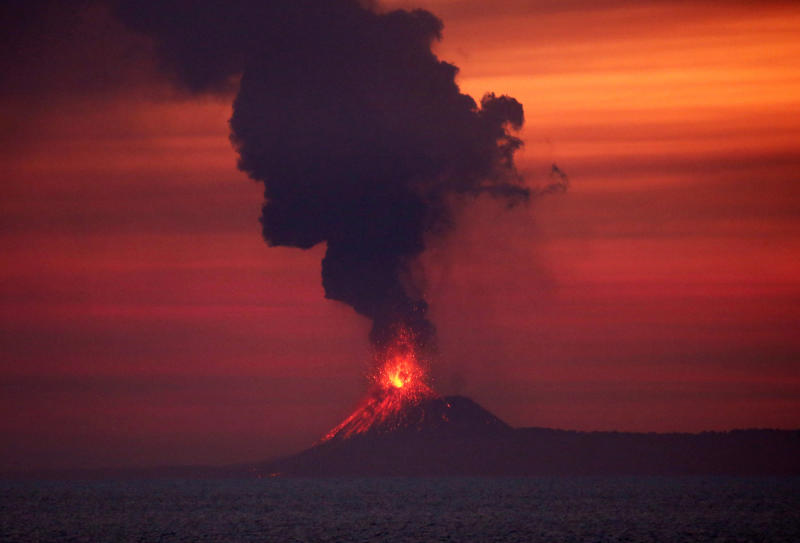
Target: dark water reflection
397, 509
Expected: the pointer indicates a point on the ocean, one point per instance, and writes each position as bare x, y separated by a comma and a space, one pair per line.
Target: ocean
557, 509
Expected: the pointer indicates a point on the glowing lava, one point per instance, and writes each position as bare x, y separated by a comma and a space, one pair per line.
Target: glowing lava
399, 382
400, 369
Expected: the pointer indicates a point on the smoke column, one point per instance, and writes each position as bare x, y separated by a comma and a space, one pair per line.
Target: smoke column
356, 129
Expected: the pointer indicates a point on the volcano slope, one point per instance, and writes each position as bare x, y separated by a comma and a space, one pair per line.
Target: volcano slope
444, 436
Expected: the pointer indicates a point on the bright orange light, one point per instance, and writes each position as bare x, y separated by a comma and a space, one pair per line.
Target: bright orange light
398, 376
400, 380
399, 366
400, 372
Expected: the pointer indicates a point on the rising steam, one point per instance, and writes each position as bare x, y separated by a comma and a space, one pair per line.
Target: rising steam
357, 130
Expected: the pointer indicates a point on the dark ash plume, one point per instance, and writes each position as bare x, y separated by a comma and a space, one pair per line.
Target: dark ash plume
357, 130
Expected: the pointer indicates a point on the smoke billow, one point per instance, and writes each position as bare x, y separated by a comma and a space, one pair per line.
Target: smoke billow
357, 130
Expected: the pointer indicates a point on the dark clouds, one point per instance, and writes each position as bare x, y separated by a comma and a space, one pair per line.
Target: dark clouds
357, 130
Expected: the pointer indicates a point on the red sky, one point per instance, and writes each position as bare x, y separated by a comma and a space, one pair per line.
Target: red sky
144, 321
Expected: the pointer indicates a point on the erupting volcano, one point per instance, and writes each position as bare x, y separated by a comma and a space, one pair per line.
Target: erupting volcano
366, 146
399, 384
363, 142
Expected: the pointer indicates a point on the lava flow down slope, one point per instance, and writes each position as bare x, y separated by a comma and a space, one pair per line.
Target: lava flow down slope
402, 402
402, 426
431, 436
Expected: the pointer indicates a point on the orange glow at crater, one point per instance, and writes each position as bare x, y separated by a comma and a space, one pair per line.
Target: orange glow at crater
399, 382
399, 366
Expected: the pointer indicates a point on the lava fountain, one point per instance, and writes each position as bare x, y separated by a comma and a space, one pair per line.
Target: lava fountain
399, 382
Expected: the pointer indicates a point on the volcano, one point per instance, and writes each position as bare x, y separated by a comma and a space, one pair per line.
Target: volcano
453, 435
403, 427
435, 435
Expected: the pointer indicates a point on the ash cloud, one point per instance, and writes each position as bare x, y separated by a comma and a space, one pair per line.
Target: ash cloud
356, 129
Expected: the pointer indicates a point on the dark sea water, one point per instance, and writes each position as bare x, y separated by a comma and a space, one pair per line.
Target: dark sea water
397, 509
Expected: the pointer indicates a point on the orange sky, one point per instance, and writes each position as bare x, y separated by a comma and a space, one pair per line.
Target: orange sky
145, 321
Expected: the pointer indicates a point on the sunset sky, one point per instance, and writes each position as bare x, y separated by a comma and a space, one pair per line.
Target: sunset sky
144, 321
